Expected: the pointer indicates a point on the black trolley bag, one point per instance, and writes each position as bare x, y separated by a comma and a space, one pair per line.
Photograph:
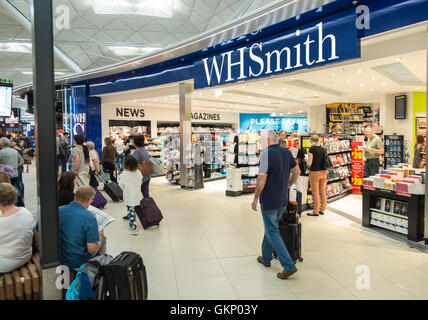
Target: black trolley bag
113, 190
125, 278
290, 229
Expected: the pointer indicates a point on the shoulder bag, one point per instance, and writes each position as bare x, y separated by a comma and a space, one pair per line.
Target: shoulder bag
145, 166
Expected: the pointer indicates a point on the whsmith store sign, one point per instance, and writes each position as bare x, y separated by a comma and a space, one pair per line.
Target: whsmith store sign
308, 46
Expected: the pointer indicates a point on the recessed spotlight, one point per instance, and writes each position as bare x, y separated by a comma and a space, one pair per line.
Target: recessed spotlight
398, 59
333, 74
288, 112
284, 88
349, 80
362, 85
302, 91
384, 83
371, 90
360, 71
373, 78
265, 84
300, 111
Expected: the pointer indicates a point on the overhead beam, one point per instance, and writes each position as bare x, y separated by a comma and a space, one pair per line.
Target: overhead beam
23, 20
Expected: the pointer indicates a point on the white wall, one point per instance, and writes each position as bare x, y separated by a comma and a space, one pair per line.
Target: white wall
317, 119
156, 114
402, 127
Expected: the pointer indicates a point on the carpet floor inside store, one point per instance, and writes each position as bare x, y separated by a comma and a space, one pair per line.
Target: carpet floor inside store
207, 244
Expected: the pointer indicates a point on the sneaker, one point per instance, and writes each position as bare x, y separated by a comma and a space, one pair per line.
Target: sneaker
125, 217
284, 275
259, 259
133, 232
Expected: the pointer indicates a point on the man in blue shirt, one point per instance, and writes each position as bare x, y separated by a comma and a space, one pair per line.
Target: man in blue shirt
272, 187
79, 235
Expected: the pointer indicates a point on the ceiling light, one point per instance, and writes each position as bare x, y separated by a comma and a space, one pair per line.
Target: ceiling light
349, 80
371, 90
16, 47
218, 93
27, 72
288, 112
384, 83
333, 74
284, 88
373, 78
362, 85
300, 111
398, 59
131, 51
154, 8
360, 71
302, 91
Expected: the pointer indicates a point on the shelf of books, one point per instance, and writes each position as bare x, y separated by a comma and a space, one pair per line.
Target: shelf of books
242, 160
338, 177
348, 118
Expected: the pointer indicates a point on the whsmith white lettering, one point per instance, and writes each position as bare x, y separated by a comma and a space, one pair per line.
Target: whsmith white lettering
281, 60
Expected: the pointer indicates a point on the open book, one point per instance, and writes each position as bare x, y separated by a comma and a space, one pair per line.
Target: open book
102, 217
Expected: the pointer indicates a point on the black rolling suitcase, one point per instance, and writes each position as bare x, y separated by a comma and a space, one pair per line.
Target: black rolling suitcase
125, 278
113, 190
290, 230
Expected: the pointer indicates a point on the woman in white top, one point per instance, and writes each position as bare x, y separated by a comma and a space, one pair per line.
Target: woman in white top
16, 231
130, 181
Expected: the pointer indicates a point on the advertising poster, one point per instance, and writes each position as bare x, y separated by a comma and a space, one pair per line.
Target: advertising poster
254, 122
357, 167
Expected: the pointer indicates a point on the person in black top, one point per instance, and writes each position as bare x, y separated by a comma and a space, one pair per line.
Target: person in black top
66, 185
317, 175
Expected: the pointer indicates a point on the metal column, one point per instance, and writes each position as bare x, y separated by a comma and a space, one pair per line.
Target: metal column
44, 102
426, 148
185, 101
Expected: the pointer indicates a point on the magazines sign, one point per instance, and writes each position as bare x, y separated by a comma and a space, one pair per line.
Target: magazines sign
357, 167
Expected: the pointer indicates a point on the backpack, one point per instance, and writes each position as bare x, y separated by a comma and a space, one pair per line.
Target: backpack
89, 281
145, 166
327, 162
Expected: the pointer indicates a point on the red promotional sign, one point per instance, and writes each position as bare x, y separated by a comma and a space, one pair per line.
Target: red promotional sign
357, 167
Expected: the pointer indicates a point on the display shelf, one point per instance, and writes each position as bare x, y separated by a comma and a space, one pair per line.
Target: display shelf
415, 210
338, 179
342, 165
343, 151
338, 195
389, 213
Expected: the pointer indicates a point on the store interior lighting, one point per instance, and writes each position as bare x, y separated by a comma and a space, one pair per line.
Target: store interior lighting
16, 47
131, 51
152, 8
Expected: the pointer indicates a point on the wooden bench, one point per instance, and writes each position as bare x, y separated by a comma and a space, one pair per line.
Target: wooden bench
23, 283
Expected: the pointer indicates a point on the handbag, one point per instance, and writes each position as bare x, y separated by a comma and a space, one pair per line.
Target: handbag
26, 158
93, 182
145, 166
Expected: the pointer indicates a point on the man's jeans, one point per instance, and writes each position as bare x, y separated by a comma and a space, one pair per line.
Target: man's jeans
272, 239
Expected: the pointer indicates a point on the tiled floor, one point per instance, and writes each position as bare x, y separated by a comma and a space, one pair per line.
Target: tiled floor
207, 244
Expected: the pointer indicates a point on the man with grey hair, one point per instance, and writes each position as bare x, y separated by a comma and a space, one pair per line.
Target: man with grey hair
372, 153
10, 157
272, 187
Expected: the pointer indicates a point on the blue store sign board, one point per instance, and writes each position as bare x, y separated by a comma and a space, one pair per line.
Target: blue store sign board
332, 40
253, 122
